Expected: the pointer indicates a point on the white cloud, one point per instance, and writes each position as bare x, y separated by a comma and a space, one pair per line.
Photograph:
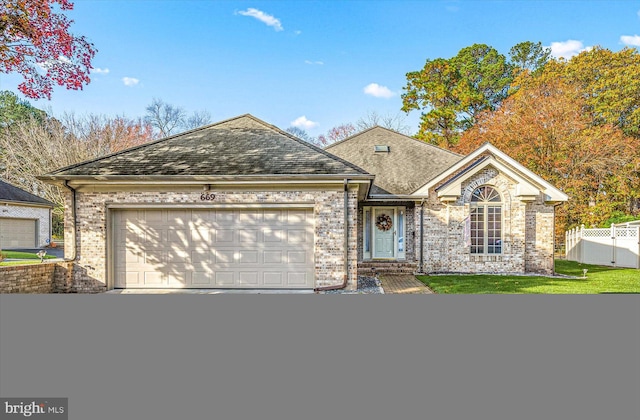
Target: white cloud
318, 63
630, 40
263, 17
567, 49
639, 13
98, 70
297, 32
130, 81
378, 91
304, 123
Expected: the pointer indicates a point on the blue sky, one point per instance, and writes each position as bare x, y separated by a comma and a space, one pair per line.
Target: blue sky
316, 63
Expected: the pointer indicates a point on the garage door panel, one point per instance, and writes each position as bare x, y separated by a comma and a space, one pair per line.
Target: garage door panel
215, 248
224, 236
299, 257
273, 279
225, 217
250, 217
296, 236
273, 216
248, 278
297, 278
224, 278
153, 278
201, 279
272, 257
248, 235
223, 256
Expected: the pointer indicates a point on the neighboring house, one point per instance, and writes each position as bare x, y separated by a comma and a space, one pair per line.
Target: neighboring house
25, 218
243, 204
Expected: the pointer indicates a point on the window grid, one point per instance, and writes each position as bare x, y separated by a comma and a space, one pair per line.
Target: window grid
486, 221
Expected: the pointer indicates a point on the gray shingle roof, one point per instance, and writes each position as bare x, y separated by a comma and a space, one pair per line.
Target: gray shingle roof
408, 165
11, 193
239, 146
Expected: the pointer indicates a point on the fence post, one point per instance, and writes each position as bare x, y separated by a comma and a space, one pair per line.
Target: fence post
638, 249
613, 245
581, 242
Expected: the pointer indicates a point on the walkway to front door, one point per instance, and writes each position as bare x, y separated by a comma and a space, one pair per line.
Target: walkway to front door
403, 284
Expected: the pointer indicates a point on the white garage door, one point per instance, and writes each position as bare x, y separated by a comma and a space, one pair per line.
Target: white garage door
17, 233
261, 248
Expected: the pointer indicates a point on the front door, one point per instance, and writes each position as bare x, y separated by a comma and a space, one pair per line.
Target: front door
384, 233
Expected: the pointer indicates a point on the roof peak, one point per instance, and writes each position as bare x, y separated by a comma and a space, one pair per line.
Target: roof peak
379, 127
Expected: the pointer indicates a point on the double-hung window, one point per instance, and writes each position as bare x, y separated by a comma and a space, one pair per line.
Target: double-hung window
486, 221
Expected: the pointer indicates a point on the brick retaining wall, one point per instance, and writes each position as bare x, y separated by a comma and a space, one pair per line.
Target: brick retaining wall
48, 277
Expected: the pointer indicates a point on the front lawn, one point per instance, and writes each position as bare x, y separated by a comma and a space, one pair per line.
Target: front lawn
15, 255
599, 279
26, 257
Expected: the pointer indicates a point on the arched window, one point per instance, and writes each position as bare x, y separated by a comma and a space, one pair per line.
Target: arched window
486, 221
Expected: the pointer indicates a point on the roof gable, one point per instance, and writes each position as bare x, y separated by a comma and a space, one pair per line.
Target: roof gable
406, 166
529, 184
241, 146
10, 193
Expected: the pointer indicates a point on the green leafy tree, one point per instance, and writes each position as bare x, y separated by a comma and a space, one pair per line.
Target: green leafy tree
529, 56
452, 92
13, 109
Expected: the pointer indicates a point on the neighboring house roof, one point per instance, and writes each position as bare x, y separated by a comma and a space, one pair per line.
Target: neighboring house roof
241, 146
10, 193
406, 166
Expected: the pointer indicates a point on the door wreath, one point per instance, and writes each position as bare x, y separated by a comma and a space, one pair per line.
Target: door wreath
383, 222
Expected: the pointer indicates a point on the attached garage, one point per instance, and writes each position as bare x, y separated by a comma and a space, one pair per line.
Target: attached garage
18, 233
239, 204
214, 248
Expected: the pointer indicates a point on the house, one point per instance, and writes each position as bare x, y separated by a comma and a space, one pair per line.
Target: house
243, 204
25, 219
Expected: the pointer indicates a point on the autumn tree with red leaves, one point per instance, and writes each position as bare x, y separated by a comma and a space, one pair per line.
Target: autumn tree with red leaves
35, 42
544, 126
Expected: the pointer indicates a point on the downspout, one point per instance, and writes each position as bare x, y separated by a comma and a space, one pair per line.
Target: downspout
345, 279
73, 219
421, 265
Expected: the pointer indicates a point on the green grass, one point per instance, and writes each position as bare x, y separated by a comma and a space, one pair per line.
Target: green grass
23, 255
599, 279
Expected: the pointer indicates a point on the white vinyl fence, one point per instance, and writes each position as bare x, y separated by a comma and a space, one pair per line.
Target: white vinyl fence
615, 246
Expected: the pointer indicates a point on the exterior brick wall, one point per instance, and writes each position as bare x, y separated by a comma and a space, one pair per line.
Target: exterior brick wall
41, 214
527, 232
328, 206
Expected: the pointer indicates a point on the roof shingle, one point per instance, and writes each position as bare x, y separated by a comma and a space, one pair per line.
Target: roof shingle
407, 166
243, 145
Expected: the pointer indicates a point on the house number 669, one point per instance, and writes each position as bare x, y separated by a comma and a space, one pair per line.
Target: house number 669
207, 197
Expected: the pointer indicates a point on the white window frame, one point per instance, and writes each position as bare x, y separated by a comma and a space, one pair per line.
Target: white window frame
485, 228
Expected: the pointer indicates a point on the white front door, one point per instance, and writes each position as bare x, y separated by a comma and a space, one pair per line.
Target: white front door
384, 233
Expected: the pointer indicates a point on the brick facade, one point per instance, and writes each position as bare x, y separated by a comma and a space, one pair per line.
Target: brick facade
527, 231
328, 205
41, 214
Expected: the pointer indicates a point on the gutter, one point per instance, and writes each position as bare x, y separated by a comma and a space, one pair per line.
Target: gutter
211, 179
74, 245
345, 279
